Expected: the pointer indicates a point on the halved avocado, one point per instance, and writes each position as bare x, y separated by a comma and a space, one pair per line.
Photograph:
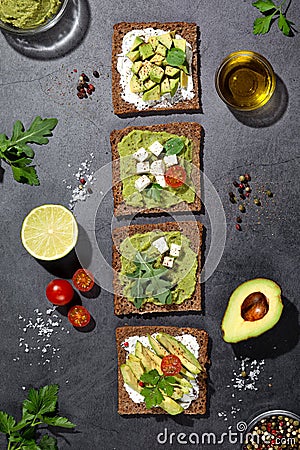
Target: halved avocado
253, 308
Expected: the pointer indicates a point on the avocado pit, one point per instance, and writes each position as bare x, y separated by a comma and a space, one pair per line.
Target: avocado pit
254, 307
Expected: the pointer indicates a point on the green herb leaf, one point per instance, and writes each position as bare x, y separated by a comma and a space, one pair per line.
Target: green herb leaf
284, 25
7, 423
18, 154
175, 57
262, 25
41, 401
153, 397
29, 444
264, 5
152, 377
174, 146
138, 302
165, 385
25, 175
165, 298
58, 421
48, 443
154, 192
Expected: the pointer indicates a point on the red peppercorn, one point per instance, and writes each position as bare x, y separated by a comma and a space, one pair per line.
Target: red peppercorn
247, 194
273, 441
141, 384
91, 87
82, 180
281, 423
247, 177
126, 344
274, 432
89, 91
238, 227
241, 186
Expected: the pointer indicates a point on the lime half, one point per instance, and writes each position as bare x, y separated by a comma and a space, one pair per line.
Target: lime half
49, 232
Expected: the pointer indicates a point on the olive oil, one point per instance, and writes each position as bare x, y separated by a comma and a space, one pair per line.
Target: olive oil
245, 80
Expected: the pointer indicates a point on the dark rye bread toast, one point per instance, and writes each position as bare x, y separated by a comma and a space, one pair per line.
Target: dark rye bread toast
188, 31
191, 130
192, 230
125, 404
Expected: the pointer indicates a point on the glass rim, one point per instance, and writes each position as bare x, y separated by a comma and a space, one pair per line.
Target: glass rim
38, 29
274, 412
234, 55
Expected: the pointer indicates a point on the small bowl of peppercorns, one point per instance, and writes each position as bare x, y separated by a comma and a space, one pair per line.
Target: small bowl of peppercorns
277, 430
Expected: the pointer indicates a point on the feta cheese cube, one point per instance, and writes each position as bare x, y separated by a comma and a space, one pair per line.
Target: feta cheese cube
157, 167
141, 155
143, 167
160, 179
168, 262
175, 250
161, 245
156, 148
170, 160
142, 182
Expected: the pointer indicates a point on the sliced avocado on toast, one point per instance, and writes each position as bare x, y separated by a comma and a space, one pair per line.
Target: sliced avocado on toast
175, 347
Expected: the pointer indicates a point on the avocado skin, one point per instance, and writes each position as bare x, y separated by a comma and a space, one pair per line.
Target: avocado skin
234, 327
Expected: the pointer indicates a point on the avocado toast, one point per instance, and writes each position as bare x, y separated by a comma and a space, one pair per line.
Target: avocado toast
155, 67
157, 268
135, 150
156, 340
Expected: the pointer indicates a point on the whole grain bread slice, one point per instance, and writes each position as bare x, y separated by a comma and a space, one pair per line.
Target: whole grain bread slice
191, 130
188, 31
192, 230
125, 403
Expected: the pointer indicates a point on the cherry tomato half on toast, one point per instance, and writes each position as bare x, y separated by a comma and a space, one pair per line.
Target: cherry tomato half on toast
171, 365
59, 292
79, 316
175, 176
83, 280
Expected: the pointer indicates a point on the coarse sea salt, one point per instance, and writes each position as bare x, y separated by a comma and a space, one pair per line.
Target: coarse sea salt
40, 335
82, 190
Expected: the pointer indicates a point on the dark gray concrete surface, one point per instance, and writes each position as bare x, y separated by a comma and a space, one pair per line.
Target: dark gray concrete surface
36, 82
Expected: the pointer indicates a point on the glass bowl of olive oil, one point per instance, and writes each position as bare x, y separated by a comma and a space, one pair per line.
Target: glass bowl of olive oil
245, 80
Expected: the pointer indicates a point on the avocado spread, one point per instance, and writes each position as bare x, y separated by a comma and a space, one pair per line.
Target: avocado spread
182, 275
27, 13
169, 196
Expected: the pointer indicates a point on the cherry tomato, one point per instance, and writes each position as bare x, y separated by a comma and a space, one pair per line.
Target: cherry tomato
79, 316
59, 292
175, 176
171, 365
83, 280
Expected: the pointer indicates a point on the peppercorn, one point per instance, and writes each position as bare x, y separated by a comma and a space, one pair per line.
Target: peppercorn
244, 374
269, 193
248, 189
247, 177
231, 194
238, 227
82, 180
239, 219
235, 183
141, 384
233, 200
242, 196
247, 194
257, 201
96, 74
242, 208
91, 87
242, 178
126, 344
241, 186
89, 91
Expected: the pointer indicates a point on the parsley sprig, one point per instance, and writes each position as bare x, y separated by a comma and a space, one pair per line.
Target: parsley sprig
18, 154
156, 386
271, 12
39, 407
148, 282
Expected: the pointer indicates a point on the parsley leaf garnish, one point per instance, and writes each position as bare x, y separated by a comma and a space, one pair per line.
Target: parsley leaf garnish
148, 282
18, 154
270, 13
154, 385
39, 408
